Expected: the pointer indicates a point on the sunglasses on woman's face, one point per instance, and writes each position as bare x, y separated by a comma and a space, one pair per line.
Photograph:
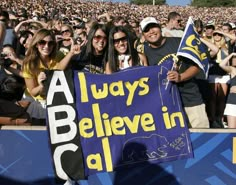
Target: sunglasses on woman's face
215, 34
65, 31
122, 39
44, 42
97, 38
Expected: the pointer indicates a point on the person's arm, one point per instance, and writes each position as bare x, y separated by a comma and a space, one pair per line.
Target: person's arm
15, 71
230, 36
12, 56
107, 68
224, 64
75, 49
18, 26
2, 34
177, 77
143, 59
35, 87
213, 48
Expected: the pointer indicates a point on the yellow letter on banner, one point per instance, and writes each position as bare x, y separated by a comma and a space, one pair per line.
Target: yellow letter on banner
107, 154
83, 88
234, 150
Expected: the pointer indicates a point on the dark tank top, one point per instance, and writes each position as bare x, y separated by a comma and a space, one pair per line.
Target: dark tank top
233, 81
232, 96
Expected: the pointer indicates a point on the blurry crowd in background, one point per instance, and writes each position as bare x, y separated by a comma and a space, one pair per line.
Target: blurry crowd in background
106, 37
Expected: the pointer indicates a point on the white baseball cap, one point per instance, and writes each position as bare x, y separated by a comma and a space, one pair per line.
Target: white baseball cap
146, 21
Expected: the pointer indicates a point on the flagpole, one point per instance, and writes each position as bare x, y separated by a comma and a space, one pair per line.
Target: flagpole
174, 68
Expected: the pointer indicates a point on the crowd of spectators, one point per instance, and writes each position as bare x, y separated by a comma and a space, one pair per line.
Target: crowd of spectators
85, 25
86, 10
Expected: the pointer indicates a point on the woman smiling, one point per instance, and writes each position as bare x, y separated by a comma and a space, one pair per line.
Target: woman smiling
94, 54
42, 55
122, 53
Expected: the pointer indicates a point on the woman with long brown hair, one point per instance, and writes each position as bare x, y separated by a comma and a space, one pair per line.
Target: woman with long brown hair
42, 55
122, 53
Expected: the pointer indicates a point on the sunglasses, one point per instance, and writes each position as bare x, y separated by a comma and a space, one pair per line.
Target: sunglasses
122, 39
214, 34
97, 38
65, 31
179, 21
44, 42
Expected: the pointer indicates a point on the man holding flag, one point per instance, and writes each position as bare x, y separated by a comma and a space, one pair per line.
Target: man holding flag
184, 71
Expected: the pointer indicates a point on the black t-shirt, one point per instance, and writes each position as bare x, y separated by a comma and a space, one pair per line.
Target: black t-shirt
91, 63
15, 86
232, 96
154, 55
189, 89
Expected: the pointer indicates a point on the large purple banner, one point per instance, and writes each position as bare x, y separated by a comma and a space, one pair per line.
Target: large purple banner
128, 117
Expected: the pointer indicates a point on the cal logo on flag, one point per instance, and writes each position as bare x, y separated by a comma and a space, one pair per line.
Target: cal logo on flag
191, 47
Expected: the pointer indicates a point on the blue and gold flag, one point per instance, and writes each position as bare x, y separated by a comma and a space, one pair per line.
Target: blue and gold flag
192, 48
